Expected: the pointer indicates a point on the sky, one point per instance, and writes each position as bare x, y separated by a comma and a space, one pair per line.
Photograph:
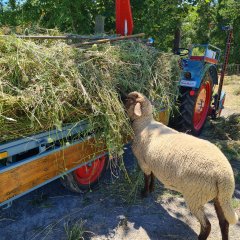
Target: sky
6, 1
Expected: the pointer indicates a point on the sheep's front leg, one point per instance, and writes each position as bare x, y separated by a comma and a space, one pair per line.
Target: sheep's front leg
148, 184
145, 190
151, 187
147, 176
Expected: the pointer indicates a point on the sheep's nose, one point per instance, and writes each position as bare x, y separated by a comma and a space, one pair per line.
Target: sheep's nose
128, 102
123, 96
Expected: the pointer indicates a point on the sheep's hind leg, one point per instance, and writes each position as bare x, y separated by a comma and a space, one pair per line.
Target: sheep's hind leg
205, 231
224, 225
198, 212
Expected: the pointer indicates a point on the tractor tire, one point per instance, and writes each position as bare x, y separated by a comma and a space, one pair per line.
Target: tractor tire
86, 177
194, 107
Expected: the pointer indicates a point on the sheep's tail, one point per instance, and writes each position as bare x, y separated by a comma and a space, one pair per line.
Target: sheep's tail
225, 193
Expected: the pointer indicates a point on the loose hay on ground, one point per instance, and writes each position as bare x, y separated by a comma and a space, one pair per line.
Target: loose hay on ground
225, 133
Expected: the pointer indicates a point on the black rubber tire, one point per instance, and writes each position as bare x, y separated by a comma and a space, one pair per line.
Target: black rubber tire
69, 181
186, 108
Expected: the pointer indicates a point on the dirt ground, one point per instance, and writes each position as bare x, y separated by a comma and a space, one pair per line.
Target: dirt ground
115, 210
232, 89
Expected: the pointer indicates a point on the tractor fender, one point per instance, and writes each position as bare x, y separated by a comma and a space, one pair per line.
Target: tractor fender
198, 71
212, 69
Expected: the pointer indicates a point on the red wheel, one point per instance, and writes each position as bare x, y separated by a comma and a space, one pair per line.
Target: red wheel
202, 105
90, 173
85, 177
194, 107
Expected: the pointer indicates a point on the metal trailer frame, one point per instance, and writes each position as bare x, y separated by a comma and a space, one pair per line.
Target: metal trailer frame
40, 140
57, 153
45, 144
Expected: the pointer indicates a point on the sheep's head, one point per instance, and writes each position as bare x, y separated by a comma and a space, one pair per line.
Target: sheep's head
137, 105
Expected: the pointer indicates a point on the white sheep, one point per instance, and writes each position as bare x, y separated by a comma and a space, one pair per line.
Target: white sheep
192, 166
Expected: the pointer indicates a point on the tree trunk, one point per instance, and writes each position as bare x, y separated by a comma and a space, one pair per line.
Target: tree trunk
177, 39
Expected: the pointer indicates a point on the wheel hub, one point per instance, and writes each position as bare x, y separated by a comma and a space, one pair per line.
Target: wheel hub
202, 106
201, 101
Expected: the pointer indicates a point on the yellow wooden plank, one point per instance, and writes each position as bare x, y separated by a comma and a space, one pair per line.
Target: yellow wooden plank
29, 175
163, 117
3, 155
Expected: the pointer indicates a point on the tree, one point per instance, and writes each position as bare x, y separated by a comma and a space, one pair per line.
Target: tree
194, 21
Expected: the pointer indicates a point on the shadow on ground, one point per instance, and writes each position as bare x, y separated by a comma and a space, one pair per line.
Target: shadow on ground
109, 213
43, 214
102, 216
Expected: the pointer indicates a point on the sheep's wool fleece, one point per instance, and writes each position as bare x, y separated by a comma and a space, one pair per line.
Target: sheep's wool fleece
192, 166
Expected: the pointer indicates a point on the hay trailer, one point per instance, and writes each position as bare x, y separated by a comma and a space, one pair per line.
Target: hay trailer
31, 162
199, 76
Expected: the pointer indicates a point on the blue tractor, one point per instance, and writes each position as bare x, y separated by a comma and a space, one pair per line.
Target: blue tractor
199, 76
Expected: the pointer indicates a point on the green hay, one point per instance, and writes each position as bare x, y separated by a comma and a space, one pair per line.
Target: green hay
45, 85
76, 230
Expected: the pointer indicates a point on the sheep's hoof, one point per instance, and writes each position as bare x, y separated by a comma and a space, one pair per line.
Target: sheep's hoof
144, 193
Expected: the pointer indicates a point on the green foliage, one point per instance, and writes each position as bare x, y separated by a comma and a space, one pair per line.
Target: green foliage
69, 16
235, 203
159, 19
199, 20
205, 21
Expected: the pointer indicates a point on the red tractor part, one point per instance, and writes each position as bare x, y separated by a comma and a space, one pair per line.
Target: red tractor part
124, 21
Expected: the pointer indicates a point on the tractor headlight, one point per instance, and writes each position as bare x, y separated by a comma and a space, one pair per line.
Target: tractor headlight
187, 75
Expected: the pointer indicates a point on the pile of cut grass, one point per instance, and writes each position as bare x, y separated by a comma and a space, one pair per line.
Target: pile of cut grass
45, 85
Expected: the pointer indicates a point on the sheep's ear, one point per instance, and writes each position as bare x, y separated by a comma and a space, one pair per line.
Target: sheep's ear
137, 110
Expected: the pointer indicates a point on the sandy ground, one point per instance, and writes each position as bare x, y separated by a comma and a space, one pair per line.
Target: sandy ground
103, 214
232, 102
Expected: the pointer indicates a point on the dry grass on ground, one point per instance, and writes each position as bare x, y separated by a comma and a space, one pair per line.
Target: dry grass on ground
232, 88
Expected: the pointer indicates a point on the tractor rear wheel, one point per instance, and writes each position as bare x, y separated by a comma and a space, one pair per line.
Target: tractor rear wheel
86, 177
194, 107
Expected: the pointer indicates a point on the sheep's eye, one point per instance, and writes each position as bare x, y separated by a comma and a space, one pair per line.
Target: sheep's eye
128, 102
